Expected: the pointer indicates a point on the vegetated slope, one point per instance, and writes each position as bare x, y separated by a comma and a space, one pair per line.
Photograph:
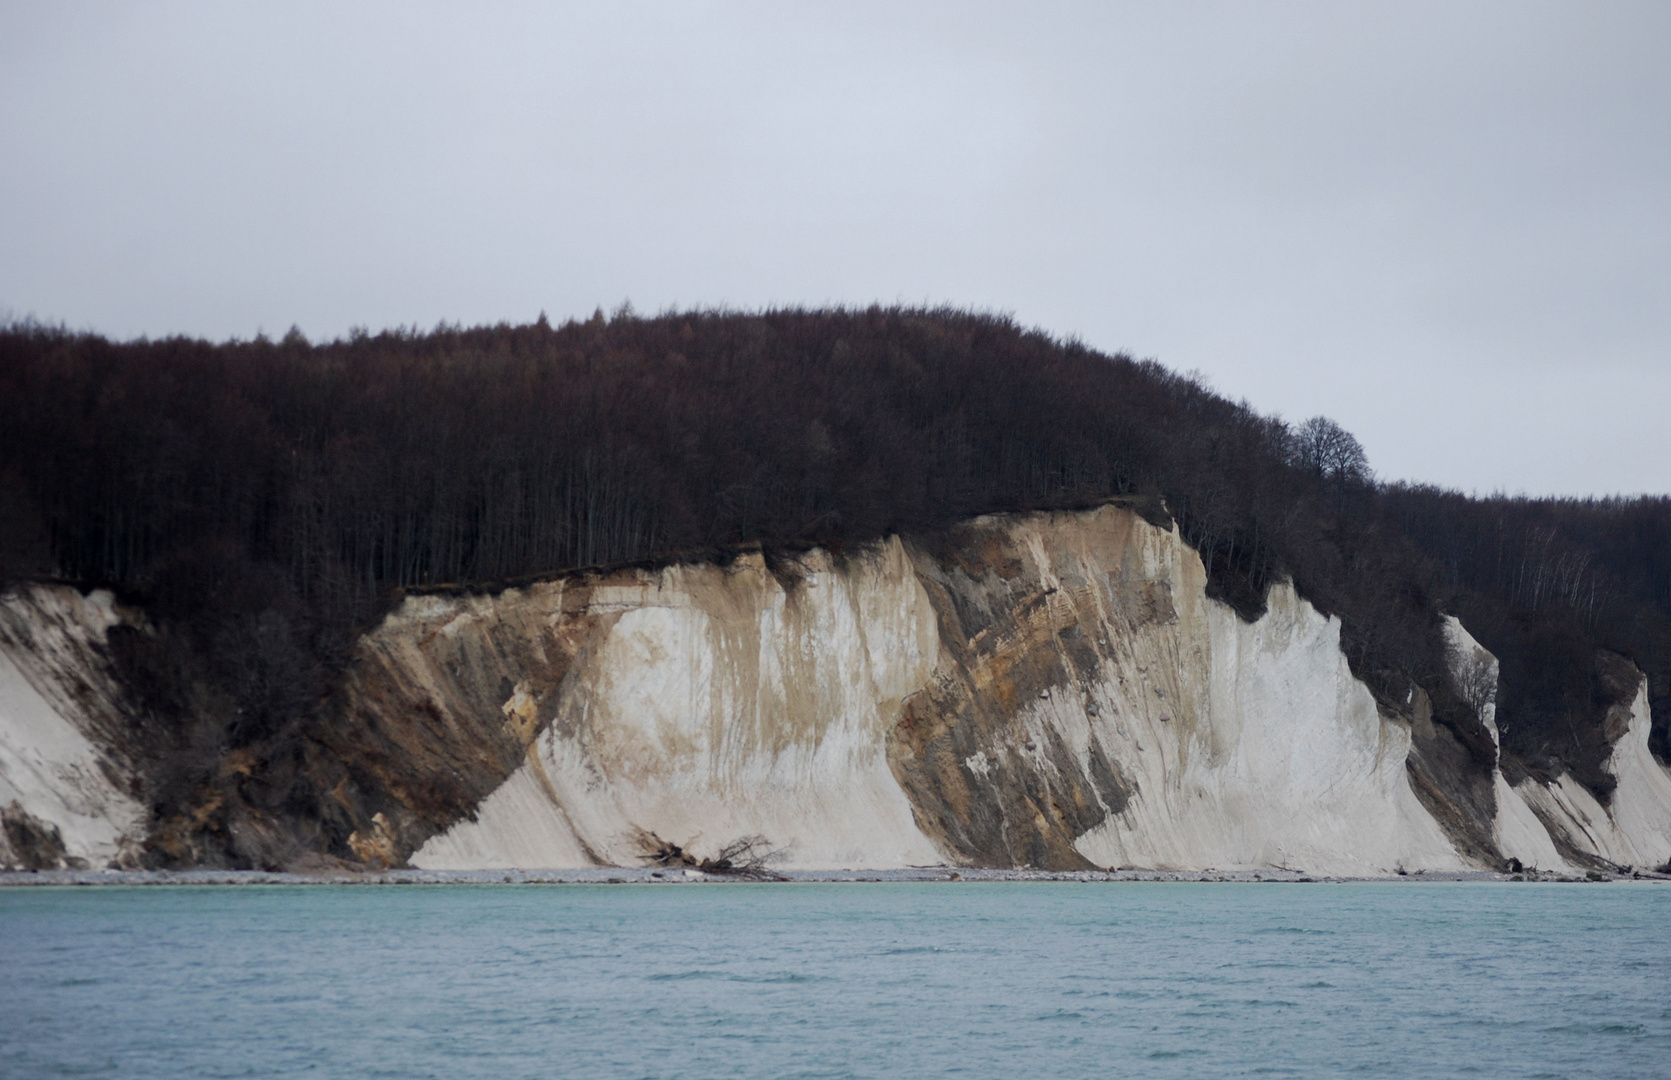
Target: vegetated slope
1563, 591
263, 500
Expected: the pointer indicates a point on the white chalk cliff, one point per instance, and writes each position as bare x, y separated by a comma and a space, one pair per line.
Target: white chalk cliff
57, 723
728, 701
714, 704
1634, 829
1053, 690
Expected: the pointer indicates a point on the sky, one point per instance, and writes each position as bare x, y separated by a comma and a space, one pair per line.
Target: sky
1445, 225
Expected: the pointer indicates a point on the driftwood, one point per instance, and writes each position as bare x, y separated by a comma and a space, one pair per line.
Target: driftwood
745, 857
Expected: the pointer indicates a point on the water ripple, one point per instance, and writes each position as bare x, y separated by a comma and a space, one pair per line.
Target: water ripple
830, 981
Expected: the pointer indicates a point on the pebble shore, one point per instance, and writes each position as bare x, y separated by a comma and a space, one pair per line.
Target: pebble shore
648, 876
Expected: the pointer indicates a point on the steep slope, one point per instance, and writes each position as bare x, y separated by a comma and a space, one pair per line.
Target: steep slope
66, 787
1516, 832
1634, 828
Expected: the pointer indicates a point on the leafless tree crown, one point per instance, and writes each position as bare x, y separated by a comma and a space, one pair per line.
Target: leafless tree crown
1330, 451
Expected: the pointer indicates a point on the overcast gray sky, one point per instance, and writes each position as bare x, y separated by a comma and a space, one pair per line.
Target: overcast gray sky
1448, 225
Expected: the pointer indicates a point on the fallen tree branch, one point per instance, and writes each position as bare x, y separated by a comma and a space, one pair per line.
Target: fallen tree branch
745, 857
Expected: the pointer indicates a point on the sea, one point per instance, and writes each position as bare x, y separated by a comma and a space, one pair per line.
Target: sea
956, 979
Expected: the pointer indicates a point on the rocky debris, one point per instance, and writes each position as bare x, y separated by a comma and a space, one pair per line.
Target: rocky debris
377, 846
28, 843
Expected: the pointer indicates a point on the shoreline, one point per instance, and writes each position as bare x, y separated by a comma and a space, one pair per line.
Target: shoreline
663, 876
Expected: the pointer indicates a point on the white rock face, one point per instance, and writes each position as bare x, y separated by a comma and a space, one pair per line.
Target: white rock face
1635, 830
1641, 808
522, 825
718, 705
1273, 756
50, 763
1518, 832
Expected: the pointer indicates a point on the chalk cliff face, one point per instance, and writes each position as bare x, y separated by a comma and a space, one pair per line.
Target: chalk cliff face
1049, 690
1053, 691
704, 704
66, 789
1634, 829
1092, 707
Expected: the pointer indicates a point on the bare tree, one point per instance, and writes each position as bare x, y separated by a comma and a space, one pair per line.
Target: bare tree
1330, 451
1475, 673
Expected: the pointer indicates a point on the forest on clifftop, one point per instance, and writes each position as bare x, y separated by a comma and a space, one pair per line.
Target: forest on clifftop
264, 500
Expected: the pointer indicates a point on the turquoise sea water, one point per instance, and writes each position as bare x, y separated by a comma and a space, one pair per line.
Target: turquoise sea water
838, 980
